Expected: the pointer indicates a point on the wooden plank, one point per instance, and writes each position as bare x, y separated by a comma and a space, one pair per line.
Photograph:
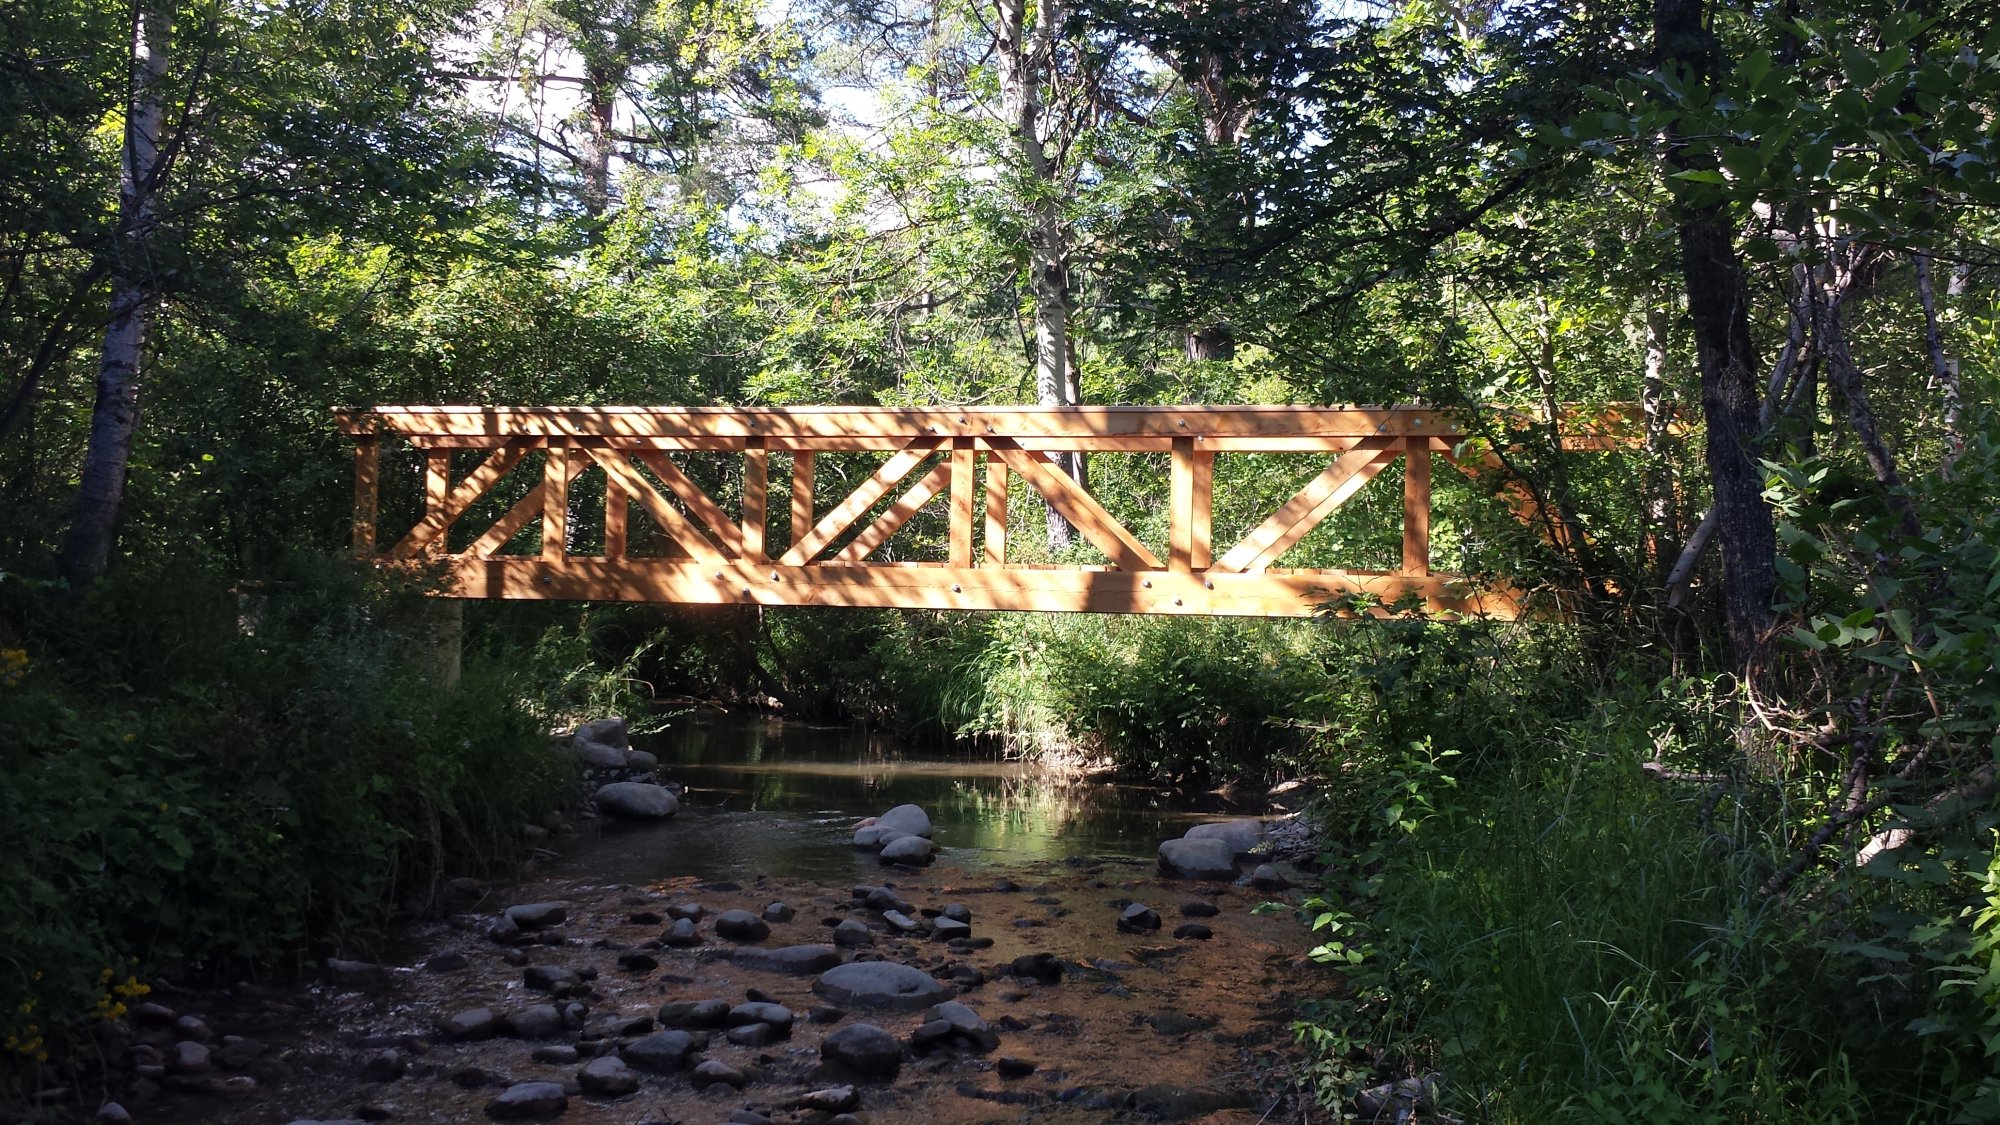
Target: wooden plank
995, 552
555, 504
1078, 507
899, 513
964, 477
697, 502
525, 511
785, 423
850, 443
617, 514
444, 503
756, 492
802, 496
1180, 507
863, 498
677, 526
1417, 507
367, 494
744, 582
1200, 526
1298, 516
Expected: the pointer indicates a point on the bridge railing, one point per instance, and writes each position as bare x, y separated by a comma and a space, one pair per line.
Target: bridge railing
970, 459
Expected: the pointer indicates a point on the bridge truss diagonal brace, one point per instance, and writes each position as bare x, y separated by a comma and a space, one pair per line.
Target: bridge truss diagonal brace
677, 526
1080, 508
444, 502
843, 515
1310, 506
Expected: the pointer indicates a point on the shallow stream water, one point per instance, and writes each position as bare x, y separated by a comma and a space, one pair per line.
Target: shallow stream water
779, 799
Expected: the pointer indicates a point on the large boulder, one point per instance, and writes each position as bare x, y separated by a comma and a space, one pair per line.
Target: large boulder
1242, 836
873, 836
636, 800
741, 925
863, 1050
1198, 859
528, 1099
598, 754
913, 850
662, 1052
884, 985
611, 731
909, 819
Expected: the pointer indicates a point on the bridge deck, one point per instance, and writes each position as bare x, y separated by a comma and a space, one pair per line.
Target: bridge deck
970, 460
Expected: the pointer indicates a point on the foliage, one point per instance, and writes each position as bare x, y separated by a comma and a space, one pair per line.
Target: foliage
209, 780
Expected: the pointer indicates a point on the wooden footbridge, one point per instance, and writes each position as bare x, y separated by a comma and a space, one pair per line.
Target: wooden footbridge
970, 459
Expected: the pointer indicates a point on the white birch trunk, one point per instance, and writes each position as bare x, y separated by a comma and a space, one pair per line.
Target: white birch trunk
114, 417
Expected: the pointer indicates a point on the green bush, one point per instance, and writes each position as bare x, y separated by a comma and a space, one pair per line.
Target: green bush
199, 780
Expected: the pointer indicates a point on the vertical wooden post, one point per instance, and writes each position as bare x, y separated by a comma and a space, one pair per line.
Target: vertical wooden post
964, 476
756, 497
996, 512
1417, 507
367, 490
437, 490
802, 495
1201, 545
617, 513
1180, 507
555, 504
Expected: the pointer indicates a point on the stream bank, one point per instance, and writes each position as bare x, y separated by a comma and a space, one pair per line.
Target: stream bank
1081, 988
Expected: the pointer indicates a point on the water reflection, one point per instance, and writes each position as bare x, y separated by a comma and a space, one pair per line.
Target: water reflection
774, 798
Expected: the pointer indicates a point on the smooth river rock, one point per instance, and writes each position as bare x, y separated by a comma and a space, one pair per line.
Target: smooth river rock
1242, 836
607, 1077
741, 925
636, 800
528, 1099
661, 1052
873, 836
910, 819
611, 731
864, 1050
795, 960
883, 985
913, 850
1198, 859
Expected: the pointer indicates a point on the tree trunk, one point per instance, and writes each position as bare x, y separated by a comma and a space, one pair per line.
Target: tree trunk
1025, 54
1944, 368
114, 417
600, 95
1657, 483
1719, 306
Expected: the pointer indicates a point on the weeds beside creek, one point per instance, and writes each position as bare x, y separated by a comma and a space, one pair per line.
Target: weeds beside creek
1543, 862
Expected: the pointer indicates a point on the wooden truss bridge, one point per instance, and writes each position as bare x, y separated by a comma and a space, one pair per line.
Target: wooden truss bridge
725, 553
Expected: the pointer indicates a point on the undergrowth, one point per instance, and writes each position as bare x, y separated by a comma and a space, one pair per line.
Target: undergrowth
204, 781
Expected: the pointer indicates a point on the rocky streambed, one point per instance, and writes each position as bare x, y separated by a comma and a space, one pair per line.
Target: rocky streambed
1086, 989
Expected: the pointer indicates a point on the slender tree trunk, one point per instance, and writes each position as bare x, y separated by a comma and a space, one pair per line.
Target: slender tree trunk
114, 417
1657, 485
1944, 368
600, 91
1830, 343
1719, 306
1025, 53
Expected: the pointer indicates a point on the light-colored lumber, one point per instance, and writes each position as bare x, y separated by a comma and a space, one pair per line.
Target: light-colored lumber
367, 493
898, 514
994, 544
802, 496
1078, 507
444, 503
1417, 508
756, 492
860, 500
525, 511
678, 527
697, 502
1293, 521
964, 479
555, 504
